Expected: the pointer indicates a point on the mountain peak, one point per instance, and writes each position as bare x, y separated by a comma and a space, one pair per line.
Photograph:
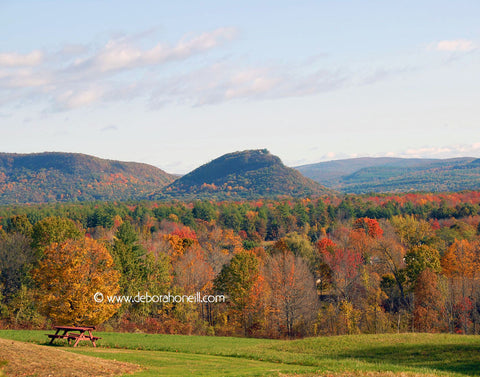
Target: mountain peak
244, 174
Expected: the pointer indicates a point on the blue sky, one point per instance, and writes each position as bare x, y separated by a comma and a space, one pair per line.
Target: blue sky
176, 84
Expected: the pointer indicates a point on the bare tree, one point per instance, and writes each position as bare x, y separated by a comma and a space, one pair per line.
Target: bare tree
294, 299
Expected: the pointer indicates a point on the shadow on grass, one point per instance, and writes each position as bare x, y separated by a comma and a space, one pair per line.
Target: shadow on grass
463, 359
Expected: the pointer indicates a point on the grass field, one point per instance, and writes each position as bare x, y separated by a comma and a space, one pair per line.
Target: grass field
354, 355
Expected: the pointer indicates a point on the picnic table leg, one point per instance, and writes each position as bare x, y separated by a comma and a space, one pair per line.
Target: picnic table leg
65, 332
53, 338
80, 337
92, 338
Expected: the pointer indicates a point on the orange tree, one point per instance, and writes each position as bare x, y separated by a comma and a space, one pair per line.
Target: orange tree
67, 278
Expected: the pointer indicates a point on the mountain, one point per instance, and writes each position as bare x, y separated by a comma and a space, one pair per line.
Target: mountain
247, 174
67, 177
61, 177
384, 174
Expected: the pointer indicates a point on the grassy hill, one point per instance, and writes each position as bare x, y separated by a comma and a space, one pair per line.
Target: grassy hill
362, 175
61, 177
247, 174
386, 355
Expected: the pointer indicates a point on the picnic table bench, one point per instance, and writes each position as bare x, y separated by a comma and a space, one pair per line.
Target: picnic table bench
76, 333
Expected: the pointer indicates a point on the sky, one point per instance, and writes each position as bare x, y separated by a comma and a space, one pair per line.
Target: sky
177, 84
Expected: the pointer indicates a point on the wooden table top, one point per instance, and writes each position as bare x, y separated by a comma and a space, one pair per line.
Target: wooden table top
75, 328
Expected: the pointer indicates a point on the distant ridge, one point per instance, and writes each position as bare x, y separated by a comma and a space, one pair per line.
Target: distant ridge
61, 177
386, 174
251, 174
245, 174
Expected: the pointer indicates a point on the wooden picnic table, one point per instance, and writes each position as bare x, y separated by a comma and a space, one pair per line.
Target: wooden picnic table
76, 333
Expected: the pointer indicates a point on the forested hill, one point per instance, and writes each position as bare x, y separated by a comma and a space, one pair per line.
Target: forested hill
250, 174
247, 174
363, 175
56, 176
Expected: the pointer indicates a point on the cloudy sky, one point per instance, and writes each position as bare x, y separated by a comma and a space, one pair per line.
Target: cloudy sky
176, 84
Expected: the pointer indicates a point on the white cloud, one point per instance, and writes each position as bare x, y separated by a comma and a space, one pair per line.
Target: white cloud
223, 82
446, 151
80, 75
427, 151
249, 82
126, 68
14, 59
461, 45
330, 155
122, 54
72, 99
116, 56
22, 78
203, 42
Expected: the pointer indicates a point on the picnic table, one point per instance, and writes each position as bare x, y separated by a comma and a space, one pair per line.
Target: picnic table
76, 333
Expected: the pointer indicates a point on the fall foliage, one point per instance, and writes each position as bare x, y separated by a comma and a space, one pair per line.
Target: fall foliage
69, 275
287, 267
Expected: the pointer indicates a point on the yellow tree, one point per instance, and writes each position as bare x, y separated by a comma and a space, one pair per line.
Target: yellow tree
180, 240
68, 277
412, 232
460, 264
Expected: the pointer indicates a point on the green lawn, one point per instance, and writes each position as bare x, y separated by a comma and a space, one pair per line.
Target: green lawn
178, 355
160, 363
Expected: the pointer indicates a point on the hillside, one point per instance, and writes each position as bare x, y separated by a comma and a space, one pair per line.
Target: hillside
61, 177
361, 175
246, 174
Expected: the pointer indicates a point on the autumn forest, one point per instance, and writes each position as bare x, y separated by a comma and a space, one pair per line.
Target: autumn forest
288, 267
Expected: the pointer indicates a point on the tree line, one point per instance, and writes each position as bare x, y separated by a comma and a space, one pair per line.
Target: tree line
288, 267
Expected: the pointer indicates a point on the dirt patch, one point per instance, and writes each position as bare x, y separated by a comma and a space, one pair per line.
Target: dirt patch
25, 359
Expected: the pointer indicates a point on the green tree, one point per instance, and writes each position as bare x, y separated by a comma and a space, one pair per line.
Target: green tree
140, 272
240, 280
419, 258
128, 256
16, 256
204, 211
54, 229
300, 246
20, 224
